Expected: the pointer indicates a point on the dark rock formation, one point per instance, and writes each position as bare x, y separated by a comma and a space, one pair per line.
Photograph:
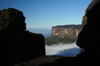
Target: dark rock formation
84, 22
50, 61
88, 38
16, 44
91, 8
12, 19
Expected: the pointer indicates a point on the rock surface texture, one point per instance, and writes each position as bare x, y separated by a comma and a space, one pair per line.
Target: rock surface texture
50, 61
65, 34
16, 44
67, 31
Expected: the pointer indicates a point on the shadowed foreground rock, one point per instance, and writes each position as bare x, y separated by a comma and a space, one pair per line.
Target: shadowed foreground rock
16, 44
88, 39
50, 61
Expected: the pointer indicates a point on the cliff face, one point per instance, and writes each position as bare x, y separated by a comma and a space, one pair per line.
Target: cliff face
65, 34
66, 31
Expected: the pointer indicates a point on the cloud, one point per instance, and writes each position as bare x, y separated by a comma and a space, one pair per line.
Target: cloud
62, 49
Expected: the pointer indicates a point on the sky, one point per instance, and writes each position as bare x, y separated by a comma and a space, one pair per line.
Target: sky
48, 13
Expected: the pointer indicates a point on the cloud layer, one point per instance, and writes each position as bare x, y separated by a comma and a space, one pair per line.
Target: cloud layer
63, 49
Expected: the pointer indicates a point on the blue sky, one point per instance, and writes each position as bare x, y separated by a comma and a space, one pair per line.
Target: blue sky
48, 13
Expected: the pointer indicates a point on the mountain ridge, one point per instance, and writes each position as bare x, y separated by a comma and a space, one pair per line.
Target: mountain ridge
64, 34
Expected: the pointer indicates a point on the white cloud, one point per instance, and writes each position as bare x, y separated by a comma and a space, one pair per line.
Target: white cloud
62, 49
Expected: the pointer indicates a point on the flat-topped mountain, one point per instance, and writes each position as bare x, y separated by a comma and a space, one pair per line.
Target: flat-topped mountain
66, 31
64, 34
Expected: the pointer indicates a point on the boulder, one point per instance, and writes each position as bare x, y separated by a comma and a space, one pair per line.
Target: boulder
12, 19
16, 44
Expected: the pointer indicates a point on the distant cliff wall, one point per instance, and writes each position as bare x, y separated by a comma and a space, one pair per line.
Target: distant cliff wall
63, 34
66, 31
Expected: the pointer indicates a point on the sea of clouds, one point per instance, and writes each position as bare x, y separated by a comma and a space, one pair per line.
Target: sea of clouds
70, 50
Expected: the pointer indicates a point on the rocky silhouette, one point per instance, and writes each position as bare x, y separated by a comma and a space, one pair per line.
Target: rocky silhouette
92, 37
16, 44
88, 39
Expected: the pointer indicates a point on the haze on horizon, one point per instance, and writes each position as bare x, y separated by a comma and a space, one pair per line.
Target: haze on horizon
48, 13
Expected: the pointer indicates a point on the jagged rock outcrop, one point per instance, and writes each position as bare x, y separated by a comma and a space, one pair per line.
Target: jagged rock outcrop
88, 39
16, 44
66, 31
93, 19
89, 10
